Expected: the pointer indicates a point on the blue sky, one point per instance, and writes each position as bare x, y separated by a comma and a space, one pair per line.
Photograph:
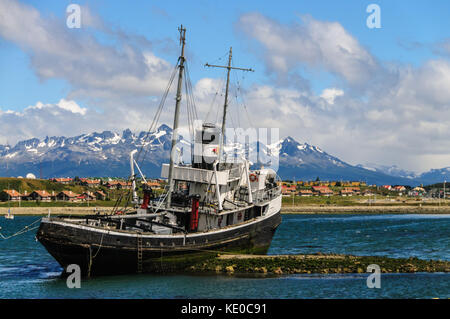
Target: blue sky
211, 31
410, 48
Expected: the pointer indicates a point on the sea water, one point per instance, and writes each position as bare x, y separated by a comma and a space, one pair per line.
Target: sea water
28, 271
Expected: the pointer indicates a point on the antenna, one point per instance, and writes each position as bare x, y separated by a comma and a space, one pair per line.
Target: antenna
229, 68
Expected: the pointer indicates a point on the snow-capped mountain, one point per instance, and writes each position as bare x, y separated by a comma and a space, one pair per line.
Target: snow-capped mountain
107, 154
393, 170
430, 177
435, 176
94, 154
307, 162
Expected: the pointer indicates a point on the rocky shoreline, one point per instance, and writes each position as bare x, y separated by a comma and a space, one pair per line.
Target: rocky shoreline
315, 264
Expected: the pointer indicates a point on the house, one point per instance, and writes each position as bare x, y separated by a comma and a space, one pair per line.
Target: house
40, 195
100, 195
67, 196
10, 195
62, 180
154, 185
118, 185
88, 196
112, 185
322, 191
90, 182
25, 195
126, 185
351, 191
346, 192
288, 189
388, 187
399, 188
305, 192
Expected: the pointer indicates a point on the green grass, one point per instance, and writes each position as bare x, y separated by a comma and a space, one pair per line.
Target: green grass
322, 200
97, 203
337, 200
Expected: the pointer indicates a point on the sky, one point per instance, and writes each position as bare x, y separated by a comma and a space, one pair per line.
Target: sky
366, 95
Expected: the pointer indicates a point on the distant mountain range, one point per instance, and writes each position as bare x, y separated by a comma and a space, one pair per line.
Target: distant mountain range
107, 154
431, 177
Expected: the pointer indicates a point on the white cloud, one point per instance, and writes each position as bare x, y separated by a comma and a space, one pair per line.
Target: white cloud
63, 104
391, 113
76, 56
330, 94
314, 43
396, 114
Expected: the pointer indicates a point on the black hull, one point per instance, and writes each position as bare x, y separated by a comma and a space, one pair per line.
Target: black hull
114, 252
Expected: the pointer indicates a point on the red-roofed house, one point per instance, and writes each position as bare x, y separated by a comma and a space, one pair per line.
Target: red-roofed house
118, 185
100, 195
153, 184
322, 190
288, 190
67, 196
399, 188
10, 194
346, 192
62, 180
305, 192
349, 191
90, 182
88, 196
39, 195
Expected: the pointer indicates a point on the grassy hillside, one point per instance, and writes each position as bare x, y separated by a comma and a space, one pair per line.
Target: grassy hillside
29, 185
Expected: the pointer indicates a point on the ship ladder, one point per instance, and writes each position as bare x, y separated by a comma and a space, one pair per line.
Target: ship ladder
139, 254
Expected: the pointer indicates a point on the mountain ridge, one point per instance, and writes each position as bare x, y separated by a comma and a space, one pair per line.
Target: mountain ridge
107, 154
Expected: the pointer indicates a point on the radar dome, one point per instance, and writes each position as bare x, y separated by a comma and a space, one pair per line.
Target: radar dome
31, 175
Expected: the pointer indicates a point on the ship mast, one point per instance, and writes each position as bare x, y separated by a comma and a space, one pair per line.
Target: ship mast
229, 68
181, 60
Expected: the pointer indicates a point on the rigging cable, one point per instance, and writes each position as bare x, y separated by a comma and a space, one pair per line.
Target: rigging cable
22, 231
150, 130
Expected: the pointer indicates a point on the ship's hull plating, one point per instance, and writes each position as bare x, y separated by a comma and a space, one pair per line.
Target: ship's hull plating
102, 252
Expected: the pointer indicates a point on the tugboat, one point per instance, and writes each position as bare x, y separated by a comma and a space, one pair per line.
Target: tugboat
209, 207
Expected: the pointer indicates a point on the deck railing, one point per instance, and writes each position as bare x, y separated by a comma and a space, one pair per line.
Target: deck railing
261, 196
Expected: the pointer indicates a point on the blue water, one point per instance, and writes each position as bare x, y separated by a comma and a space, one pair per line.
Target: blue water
28, 271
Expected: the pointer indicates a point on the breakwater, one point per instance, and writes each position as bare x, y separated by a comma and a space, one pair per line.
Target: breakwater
315, 264
307, 209
41, 211
380, 209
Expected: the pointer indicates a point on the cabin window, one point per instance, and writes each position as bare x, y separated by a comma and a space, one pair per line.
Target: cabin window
207, 138
229, 219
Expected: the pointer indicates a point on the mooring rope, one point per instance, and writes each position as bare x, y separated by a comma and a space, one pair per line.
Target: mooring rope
22, 231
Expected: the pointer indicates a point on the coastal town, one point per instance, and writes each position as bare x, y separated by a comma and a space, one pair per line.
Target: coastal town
66, 189
106, 190
356, 188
